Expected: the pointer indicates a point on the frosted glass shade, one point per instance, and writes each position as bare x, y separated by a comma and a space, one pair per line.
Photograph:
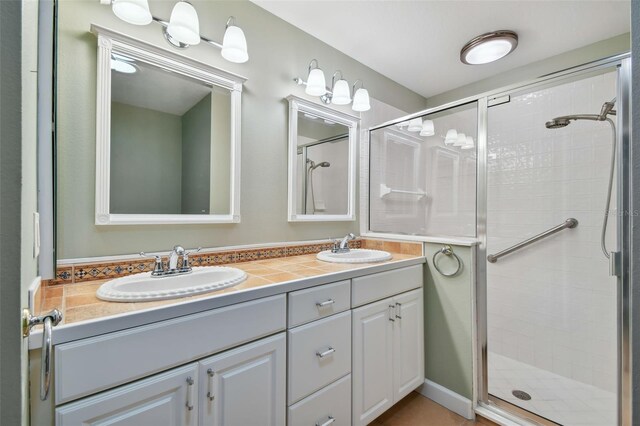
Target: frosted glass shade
415, 125
468, 144
134, 12
234, 45
316, 85
183, 24
462, 139
428, 128
341, 94
361, 100
452, 137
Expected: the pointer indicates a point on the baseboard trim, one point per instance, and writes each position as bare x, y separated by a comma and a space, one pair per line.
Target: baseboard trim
448, 399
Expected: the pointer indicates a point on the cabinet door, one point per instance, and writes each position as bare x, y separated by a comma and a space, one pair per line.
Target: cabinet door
163, 399
372, 371
245, 386
408, 344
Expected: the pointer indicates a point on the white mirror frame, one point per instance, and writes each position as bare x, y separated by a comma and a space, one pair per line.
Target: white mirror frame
109, 41
296, 105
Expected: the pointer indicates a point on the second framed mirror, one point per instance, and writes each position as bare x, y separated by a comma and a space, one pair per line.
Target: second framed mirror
322, 162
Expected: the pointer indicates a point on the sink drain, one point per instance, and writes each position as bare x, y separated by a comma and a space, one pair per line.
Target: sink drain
521, 395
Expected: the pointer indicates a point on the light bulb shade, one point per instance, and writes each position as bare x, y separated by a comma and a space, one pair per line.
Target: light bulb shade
341, 94
234, 45
134, 12
415, 125
361, 100
468, 144
428, 128
316, 84
452, 137
489, 47
462, 139
183, 24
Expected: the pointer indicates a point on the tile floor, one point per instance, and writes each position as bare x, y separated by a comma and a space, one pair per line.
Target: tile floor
555, 397
416, 410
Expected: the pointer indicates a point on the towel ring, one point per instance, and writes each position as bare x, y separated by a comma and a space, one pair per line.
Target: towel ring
447, 251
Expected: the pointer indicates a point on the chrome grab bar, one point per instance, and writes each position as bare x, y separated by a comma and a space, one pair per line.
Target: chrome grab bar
569, 223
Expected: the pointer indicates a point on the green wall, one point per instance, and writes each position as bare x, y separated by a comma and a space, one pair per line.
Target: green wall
196, 156
448, 322
278, 52
145, 175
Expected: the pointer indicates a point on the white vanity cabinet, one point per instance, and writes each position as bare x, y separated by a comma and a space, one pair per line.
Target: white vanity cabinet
388, 344
245, 386
163, 399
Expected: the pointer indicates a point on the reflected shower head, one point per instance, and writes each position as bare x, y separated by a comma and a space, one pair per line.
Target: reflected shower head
557, 123
323, 164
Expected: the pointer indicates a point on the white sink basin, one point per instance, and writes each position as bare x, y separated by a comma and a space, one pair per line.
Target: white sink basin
144, 287
354, 256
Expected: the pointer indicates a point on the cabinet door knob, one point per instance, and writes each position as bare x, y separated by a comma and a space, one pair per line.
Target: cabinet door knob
325, 353
330, 419
190, 393
325, 303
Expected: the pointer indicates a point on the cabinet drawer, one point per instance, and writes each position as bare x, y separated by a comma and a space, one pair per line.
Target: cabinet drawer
385, 284
331, 402
91, 365
318, 302
319, 353
161, 399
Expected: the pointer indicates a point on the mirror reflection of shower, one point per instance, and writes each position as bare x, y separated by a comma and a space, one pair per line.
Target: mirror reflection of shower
605, 111
311, 166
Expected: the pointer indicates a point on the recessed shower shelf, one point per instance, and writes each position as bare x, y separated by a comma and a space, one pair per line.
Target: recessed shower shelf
385, 191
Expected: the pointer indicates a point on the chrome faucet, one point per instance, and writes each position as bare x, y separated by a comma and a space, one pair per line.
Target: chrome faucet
174, 266
343, 246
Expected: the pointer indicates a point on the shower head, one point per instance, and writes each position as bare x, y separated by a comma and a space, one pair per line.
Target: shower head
323, 164
557, 123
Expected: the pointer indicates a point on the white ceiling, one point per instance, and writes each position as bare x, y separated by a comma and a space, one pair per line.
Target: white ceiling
417, 43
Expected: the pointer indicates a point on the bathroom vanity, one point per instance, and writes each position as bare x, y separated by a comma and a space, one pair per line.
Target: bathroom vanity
338, 348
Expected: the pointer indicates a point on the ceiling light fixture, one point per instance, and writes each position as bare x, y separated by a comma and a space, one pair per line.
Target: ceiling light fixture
183, 28
339, 94
489, 47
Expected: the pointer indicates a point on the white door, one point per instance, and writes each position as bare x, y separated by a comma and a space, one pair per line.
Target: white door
408, 344
164, 399
372, 371
245, 386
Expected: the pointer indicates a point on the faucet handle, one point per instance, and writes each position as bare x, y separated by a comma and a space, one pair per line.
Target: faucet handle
158, 267
185, 260
336, 245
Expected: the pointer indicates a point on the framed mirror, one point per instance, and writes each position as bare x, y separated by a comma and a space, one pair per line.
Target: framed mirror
322, 162
167, 136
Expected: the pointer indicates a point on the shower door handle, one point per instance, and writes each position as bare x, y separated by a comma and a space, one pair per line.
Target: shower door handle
615, 264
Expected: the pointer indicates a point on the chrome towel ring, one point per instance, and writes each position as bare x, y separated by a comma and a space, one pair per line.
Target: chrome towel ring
447, 251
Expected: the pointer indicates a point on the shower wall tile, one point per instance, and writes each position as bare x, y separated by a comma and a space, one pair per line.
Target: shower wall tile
553, 304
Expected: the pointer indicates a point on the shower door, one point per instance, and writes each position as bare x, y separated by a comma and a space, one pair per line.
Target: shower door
552, 314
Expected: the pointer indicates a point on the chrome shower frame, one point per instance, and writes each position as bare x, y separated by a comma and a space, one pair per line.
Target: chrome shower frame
480, 400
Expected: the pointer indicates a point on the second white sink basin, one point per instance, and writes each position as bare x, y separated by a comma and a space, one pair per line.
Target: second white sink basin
144, 287
354, 256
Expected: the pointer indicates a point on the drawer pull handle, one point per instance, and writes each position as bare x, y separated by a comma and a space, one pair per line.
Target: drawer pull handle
398, 310
330, 420
325, 303
190, 391
210, 391
325, 353
391, 314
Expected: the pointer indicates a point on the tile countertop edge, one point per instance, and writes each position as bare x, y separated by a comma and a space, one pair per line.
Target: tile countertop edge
90, 328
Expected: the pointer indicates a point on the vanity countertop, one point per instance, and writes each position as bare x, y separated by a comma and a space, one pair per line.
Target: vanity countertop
84, 315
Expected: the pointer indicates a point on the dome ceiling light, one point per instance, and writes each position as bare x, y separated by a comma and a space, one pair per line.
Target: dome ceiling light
489, 47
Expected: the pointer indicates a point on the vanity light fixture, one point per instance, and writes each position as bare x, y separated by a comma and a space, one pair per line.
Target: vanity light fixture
123, 64
415, 125
428, 129
468, 144
183, 28
489, 47
462, 139
339, 94
451, 137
